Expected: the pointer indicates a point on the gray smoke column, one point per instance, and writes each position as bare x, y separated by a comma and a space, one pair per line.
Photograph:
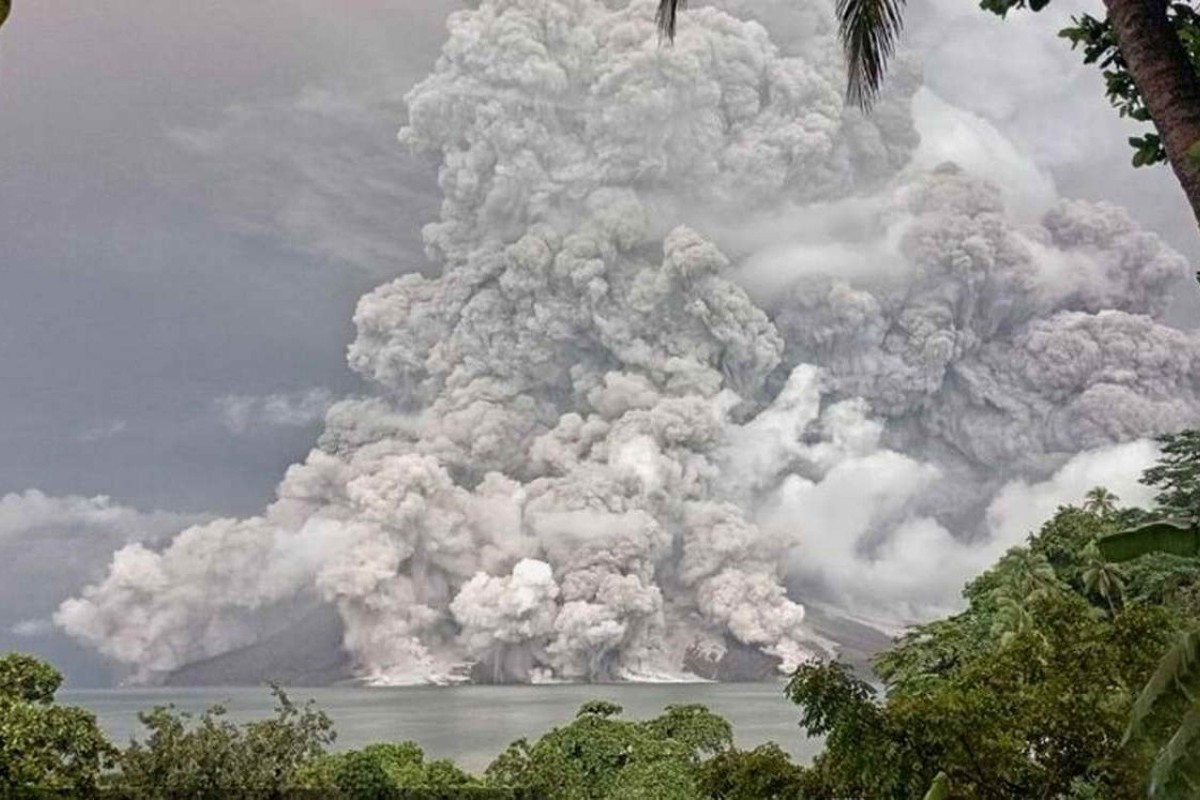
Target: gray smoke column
600, 449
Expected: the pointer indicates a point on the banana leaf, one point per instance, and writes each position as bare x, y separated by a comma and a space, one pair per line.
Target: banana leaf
1178, 537
1176, 771
1178, 673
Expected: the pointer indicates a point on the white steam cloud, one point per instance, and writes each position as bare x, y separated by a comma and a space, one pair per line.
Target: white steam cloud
52, 547
705, 344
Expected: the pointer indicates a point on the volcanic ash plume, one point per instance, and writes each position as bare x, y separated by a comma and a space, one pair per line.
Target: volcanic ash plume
598, 449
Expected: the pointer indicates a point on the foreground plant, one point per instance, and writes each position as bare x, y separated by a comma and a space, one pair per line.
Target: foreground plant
45, 746
211, 756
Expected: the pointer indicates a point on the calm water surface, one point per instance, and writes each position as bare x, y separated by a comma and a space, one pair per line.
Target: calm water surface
470, 724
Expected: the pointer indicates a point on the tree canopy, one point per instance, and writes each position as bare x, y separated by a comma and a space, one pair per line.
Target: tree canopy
44, 746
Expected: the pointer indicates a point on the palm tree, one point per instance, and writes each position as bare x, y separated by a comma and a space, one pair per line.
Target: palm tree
1012, 618
1101, 502
1024, 577
1101, 577
1027, 574
1149, 51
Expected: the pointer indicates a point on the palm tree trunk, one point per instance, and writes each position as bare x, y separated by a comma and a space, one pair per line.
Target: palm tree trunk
1168, 84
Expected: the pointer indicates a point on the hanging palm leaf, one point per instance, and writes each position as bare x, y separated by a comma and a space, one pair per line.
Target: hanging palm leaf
1178, 673
1178, 537
668, 11
1176, 772
868, 30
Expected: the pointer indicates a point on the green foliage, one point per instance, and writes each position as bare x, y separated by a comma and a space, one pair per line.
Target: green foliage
699, 730
1101, 502
23, 677
1052, 700
1165, 554
215, 757
861, 758
1177, 674
1177, 473
382, 770
599, 708
43, 746
928, 653
1096, 40
940, 789
764, 773
1066, 538
1176, 772
5, 7
1023, 572
1174, 685
1024, 694
1056, 560
1027, 693
1164, 579
600, 755
1102, 578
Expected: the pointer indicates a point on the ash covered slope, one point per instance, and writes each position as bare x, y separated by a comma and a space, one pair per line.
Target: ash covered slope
592, 454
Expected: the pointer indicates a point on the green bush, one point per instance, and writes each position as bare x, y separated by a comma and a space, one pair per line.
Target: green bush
214, 757
44, 746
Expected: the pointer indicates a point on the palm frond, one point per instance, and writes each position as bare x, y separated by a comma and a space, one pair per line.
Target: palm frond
1176, 771
5, 7
1178, 673
668, 11
868, 30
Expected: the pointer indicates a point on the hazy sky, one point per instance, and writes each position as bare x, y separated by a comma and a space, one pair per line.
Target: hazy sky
130, 300
193, 196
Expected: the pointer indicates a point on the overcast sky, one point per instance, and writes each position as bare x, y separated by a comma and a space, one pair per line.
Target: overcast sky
132, 298
193, 196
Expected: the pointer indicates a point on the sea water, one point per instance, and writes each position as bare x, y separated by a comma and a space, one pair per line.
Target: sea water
469, 724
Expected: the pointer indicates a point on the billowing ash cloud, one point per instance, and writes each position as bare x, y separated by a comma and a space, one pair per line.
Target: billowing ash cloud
52, 547
998, 342
701, 349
